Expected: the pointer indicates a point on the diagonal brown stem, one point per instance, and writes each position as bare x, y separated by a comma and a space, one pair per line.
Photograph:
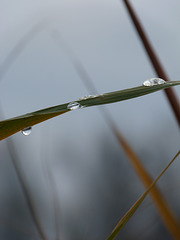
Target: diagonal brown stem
165, 211
154, 60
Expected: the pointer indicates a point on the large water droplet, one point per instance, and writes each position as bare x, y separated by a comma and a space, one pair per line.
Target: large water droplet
26, 131
153, 81
74, 106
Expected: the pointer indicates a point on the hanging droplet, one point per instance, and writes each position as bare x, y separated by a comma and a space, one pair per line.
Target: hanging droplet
153, 81
74, 106
26, 131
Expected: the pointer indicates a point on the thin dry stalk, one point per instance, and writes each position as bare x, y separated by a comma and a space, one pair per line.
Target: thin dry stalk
14, 53
132, 210
164, 210
25, 190
168, 217
54, 193
19, 47
154, 60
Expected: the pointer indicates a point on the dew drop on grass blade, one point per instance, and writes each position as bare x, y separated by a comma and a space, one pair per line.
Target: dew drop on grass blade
26, 131
153, 81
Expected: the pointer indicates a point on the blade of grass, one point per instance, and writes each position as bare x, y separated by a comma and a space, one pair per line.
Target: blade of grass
52, 187
13, 125
75, 62
80, 69
132, 210
164, 210
8, 61
154, 60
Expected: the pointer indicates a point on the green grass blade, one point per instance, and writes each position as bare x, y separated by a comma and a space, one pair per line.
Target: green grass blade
13, 125
164, 210
132, 210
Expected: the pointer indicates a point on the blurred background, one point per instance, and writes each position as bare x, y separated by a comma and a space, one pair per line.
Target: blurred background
73, 163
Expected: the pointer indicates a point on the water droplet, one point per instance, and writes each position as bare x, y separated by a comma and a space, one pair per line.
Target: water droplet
26, 131
74, 106
153, 81
87, 97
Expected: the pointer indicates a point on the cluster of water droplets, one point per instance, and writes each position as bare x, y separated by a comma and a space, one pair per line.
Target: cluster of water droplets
77, 105
71, 106
153, 81
88, 97
26, 131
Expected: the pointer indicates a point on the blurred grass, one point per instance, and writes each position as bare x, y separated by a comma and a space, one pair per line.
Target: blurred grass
42, 115
132, 210
165, 212
162, 207
26, 192
20, 46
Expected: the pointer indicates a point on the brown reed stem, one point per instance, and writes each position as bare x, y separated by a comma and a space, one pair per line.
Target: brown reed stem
164, 210
154, 61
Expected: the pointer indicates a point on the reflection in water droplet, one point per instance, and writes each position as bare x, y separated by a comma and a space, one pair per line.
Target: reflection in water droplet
153, 81
74, 106
26, 131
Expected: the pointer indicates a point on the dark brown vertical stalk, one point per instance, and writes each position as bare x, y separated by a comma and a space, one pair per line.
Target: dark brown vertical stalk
154, 60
